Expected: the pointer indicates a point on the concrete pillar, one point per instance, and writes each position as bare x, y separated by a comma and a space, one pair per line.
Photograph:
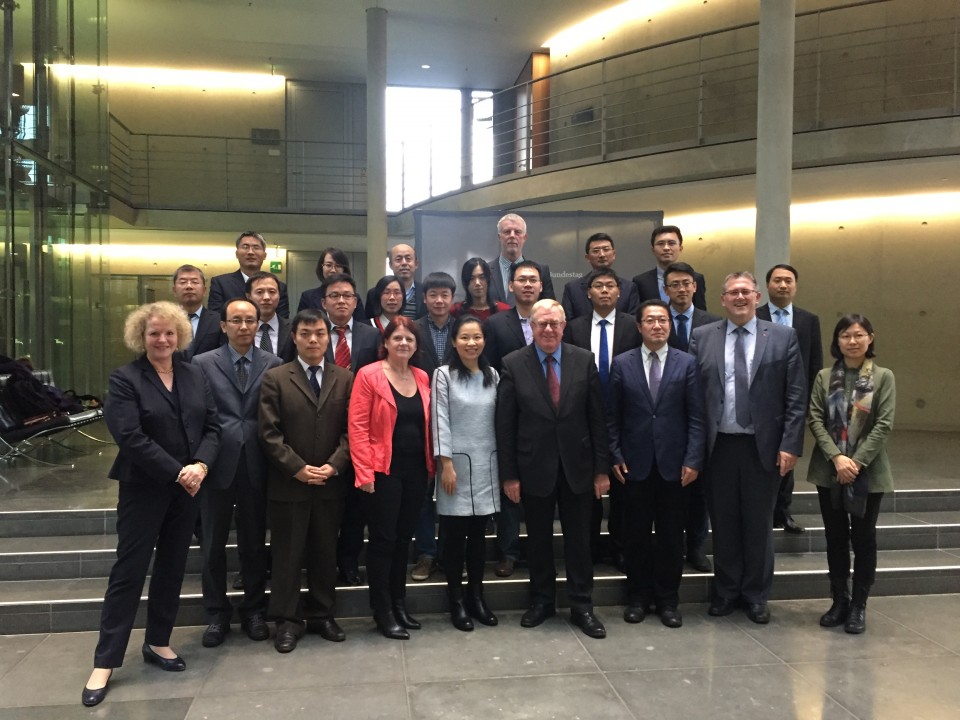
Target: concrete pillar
376, 143
774, 134
466, 139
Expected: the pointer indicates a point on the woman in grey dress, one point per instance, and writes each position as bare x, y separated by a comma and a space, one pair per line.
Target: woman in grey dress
464, 399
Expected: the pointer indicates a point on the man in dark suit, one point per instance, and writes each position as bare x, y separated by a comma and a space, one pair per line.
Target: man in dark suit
655, 417
189, 285
606, 332
403, 263
505, 332
666, 244
353, 345
512, 234
752, 375
238, 476
680, 283
251, 252
273, 335
303, 428
552, 450
782, 288
601, 253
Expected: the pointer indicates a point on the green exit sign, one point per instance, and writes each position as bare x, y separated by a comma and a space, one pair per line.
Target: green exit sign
276, 266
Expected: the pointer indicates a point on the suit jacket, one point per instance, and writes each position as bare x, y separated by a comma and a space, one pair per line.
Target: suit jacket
498, 290
232, 285
283, 342
418, 299
298, 428
535, 439
427, 358
700, 317
502, 335
778, 391
807, 326
237, 413
669, 432
313, 299
366, 345
576, 303
625, 333
649, 289
158, 432
208, 336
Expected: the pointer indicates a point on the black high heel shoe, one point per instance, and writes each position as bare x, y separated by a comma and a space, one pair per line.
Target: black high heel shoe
403, 617
389, 627
169, 664
89, 697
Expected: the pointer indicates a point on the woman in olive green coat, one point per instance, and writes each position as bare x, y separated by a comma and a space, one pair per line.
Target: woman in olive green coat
851, 416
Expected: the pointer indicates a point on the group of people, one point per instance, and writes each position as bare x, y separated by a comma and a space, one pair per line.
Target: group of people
505, 407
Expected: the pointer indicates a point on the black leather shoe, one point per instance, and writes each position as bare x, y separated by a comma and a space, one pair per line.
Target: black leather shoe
536, 614
477, 607
458, 615
237, 582
698, 561
89, 697
758, 613
169, 664
403, 617
349, 578
255, 627
671, 617
286, 640
389, 627
857, 620
720, 607
790, 525
215, 634
328, 629
589, 624
634, 613
838, 612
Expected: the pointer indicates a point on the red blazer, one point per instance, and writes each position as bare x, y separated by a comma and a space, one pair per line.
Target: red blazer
372, 417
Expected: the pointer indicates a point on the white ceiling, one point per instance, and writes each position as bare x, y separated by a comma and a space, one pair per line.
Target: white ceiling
468, 43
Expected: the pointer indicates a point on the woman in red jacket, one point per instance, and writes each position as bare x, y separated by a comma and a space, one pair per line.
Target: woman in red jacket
390, 445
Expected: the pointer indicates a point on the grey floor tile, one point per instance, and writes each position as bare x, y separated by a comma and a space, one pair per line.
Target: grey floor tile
14, 648
895, 689
441, 652
245, 666
372, 702
794, 635
701, 642
769, 692
933, 616
175, 709
552, 696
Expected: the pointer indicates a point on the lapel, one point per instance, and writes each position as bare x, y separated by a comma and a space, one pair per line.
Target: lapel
671, 367
299, 378
151, 377
326, 386
621, 327
257, 367
763, 337
718, 351
567, 374
640, 375
227, 367
535, 368
515, 327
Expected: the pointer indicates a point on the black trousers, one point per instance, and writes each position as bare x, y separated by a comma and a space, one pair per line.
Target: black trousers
350, 543
654, 564
575, 513
393, 511
148, 514
615, 538
697, 517
304, 534
842, 531
784, 497
463, 539
741, 494
216, 512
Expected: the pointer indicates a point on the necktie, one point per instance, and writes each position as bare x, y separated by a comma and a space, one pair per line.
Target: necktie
553, 382
265, 343
741, 380
314, 382
194, 322
342, 355
604, 356
654, 375
781, 316
682, 340
242, 373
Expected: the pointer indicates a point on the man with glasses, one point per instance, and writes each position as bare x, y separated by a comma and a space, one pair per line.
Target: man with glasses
251, 252
189, 286
238, 477
666, 244
273, 335
752, 374
553, 452
512, 235
601, 253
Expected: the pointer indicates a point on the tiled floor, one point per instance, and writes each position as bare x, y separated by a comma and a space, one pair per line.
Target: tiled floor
905, 666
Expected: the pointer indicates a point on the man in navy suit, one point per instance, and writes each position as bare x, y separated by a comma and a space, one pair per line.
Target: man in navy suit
756, 395
512, 234
601, 253
251, 252
238, 476
189, 286
655, 419
782, 288
666, 244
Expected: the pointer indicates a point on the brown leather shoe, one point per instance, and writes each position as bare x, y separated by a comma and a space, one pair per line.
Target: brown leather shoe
504, 568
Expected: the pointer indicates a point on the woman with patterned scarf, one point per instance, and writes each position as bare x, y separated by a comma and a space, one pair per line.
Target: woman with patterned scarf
851, 415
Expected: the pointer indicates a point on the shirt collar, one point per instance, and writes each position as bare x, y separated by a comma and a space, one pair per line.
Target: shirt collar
788, 309
661, 353
234, 355
542, 355
306, 368
688, 313
610, 317
750, 325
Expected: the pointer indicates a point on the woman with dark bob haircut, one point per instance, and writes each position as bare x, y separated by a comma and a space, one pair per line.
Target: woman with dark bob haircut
475, 276
389, 433
388, 301
851, 415
332, 262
